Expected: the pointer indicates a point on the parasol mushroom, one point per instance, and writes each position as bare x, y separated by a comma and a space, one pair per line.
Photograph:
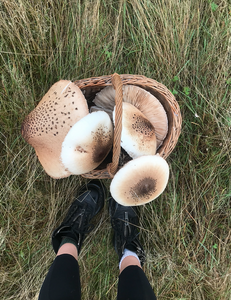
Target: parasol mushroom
47, 125
138, 135
87, 143
140, 181
148, 104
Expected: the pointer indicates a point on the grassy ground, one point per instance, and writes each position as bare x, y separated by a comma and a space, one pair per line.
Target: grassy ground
186, 232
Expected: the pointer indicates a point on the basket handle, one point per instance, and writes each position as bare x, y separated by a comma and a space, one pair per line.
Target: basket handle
118, 85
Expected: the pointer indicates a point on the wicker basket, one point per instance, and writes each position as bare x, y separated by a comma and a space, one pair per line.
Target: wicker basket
91, 86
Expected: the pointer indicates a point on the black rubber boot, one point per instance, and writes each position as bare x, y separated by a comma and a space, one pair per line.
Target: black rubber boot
125, 222
88, 203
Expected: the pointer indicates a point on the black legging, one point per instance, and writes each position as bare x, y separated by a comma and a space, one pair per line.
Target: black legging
63, 283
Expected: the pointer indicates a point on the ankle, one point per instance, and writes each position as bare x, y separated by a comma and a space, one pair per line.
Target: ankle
129, 261
129, 258
68, 246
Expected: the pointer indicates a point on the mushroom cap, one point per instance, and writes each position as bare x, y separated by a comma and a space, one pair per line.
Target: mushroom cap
87, 143
96, 108
47, 125
148, 104
140, 181
138, 134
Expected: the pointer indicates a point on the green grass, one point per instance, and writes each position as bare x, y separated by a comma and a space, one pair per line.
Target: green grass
186, 232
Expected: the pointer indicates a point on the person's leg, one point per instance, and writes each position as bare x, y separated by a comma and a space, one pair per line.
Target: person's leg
127, 261
63, 281
68, 248
133, 283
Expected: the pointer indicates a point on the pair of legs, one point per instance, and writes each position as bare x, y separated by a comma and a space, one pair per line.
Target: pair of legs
71, 249
63, 280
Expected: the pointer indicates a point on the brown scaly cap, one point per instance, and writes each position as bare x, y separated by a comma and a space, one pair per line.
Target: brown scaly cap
138, 134
47, 125
140, 181
148, 104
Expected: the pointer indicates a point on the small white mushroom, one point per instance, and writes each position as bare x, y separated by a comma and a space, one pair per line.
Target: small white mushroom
140, 181
138, 135
87, 143
148, 104
47, 125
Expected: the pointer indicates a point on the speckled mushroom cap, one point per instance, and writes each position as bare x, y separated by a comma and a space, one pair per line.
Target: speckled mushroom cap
138, 135
47, 125
148, 104
140, 181
87, 143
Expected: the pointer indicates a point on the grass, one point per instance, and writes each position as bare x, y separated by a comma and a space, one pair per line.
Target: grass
186, 232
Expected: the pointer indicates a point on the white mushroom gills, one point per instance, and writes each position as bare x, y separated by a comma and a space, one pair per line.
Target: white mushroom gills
140, 181
87, 143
